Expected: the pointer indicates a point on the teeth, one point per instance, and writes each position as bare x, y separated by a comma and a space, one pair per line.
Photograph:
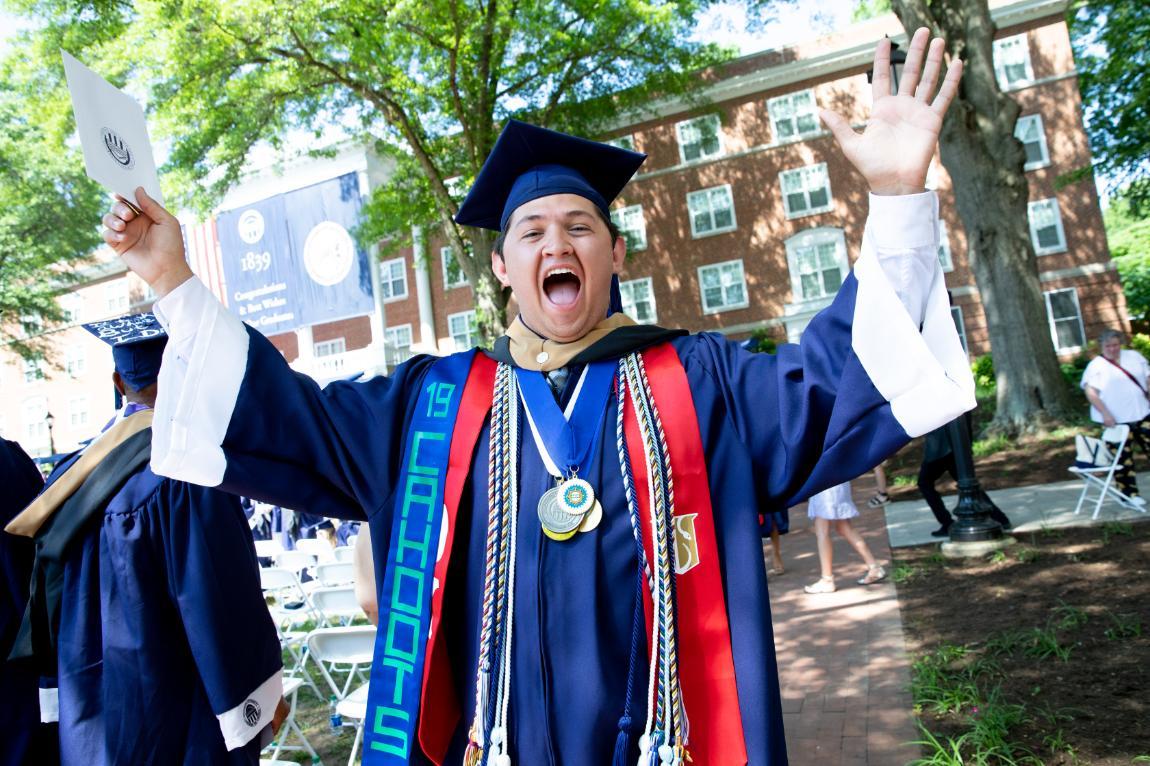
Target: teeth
555, 272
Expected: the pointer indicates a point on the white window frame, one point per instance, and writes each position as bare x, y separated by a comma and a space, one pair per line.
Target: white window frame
388, 279
1020, 127
623, 142
713, 122
35, 423
631, 220
723, 269
71, 305
471, 333
78, 411
446, 262
330, 347
706, 197
630, 304
805, 175
1053, 322
1002, 47
391, 346
75, 360
778, 103
960, 326
117, 298
1060, 247
945, 255
33, 370
813, 238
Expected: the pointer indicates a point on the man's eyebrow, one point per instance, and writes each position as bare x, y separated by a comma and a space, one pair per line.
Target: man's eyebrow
574, 213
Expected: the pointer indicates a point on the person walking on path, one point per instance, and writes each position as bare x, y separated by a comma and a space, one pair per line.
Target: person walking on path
833, 509
774, 524
1115, 386
937, 459
880, 497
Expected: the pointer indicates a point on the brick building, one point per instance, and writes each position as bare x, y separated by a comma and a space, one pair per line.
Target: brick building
745, 216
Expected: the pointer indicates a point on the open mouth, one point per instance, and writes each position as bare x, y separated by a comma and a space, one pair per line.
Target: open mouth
561, 287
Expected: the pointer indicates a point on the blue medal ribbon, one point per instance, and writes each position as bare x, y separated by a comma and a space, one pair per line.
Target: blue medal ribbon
568, 440
405, 595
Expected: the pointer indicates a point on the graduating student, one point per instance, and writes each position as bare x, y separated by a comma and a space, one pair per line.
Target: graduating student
145, 599
20, 729
565, 527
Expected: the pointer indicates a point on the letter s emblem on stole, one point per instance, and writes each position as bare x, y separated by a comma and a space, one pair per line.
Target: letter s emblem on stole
686, 544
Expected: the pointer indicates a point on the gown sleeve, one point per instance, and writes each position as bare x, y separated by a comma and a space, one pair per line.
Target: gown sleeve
880, 365
232, 414
213, 580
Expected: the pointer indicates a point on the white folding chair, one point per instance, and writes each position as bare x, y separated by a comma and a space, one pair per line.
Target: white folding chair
290, 729
344, 553
321, 549
335, 573
353, 647
351, 540
1096, 461
336, 604
268, 549
290, 606
296, 561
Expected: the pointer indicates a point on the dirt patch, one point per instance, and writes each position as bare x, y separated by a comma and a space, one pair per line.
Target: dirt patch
1061, 622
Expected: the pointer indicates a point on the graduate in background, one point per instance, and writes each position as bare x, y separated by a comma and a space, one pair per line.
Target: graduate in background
565, 527
25, 740
146, 601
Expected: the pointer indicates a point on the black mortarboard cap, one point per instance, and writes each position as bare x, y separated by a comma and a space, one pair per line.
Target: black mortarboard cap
137, 342
530, 162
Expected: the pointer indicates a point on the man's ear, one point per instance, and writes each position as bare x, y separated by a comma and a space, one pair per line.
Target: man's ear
499, 267
118, 382
618, 255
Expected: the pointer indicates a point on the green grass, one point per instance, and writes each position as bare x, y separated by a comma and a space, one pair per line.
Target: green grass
991, 445
904, 480
1124, 626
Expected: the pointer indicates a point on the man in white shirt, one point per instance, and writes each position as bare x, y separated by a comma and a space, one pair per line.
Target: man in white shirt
1115, 385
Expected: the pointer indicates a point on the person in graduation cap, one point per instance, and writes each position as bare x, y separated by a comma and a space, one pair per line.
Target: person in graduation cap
145, 600
565, 526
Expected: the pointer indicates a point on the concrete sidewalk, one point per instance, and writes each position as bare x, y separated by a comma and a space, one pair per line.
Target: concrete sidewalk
843, 666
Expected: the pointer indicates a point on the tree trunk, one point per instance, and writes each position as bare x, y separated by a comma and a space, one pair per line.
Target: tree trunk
985, 162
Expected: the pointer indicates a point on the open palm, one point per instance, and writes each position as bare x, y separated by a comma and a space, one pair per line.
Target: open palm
894, 151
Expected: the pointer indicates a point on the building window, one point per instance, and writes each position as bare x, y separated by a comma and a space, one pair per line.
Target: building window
1029, 131
453, 275
723, 286
632, 225
75, 361
116, 297
700, 138
393, 279
71, 306
1065, 319
1046, 226
623, 142
36, 420
639, 300
817, 260
33, 370
1012, 62
463, 329
944, 258
330, 347
960, 325
396, 345
806, 190
794, 115
712, 210
78, 412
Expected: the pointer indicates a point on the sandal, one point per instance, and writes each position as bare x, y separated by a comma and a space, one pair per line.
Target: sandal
873, 575
878, 501
776, 572
822, 585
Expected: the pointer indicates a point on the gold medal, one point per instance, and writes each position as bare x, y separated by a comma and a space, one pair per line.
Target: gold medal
592, 519
560, 536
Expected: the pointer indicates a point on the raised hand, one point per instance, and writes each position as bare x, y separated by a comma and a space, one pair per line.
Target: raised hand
894, 151
150, 244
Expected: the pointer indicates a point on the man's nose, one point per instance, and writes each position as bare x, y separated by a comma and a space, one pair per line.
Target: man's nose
556, 242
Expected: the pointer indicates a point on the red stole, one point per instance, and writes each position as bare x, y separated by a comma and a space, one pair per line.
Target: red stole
707, 670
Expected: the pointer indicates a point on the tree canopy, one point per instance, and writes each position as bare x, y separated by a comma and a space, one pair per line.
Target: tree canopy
1128, 235
1111, 41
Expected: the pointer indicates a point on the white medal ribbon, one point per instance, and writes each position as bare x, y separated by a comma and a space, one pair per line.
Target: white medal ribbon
548, 462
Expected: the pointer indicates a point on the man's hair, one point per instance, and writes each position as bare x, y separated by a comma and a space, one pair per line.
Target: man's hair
612, 229
1109, 333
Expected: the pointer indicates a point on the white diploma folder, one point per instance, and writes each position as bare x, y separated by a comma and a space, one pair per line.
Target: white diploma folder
113, 133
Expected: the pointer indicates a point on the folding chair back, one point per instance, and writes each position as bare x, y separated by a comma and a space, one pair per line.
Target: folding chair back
336, 603
352, 647
1096, 461
289, 603
268, 549
344, 553
335, 573
321, 549
296, 561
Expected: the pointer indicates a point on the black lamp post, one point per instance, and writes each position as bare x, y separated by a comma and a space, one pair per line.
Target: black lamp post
50, 419
897, 62
973, 522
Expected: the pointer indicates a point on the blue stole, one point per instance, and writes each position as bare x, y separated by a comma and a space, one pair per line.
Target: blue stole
405, 597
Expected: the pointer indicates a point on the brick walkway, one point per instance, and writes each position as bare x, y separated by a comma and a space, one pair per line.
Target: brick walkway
843, 666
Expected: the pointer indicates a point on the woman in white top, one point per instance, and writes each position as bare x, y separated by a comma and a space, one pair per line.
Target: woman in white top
1115, 385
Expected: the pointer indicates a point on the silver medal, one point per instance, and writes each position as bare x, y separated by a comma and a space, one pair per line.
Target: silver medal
552, 517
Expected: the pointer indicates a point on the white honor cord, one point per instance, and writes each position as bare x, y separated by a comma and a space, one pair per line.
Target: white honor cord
548, 463
502, 700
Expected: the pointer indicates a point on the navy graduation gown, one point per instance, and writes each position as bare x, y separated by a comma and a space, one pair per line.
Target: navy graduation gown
164, 635
19, 707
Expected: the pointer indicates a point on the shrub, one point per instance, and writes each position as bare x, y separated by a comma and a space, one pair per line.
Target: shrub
983, 369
